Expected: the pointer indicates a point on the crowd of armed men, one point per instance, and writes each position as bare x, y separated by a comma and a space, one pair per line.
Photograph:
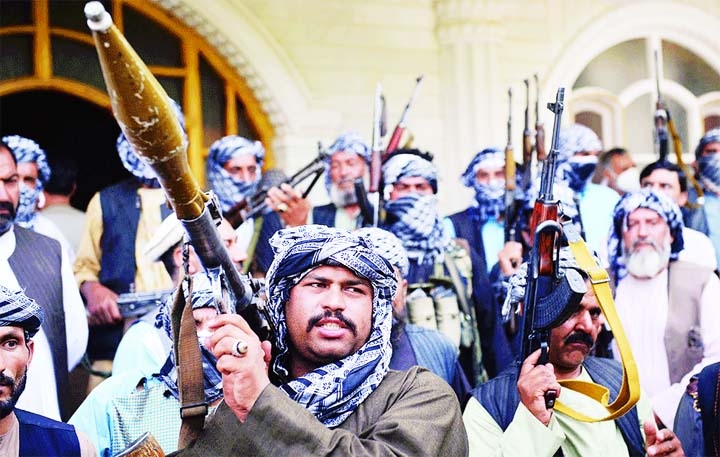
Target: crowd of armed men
404, 332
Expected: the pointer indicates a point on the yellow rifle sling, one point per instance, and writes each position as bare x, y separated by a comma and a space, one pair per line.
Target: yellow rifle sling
630, 389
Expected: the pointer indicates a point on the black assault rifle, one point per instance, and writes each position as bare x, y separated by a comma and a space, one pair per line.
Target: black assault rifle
550, 297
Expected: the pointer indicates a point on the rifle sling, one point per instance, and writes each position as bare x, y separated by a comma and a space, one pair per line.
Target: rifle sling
630, 390
188, 362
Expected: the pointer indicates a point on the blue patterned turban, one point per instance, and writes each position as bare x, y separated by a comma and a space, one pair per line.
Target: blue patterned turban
28, 151
229, 189
576, 138
387, 245
19, 310
644, 198
349, 142
400, 166
137, 166
212, 379
331, 392
489, 198
711, 136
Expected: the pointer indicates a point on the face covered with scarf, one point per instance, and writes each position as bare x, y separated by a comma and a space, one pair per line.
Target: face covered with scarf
315, 269
34, 172
486, 175
233, 169
411, 206
578, 148
646, 234
707, 155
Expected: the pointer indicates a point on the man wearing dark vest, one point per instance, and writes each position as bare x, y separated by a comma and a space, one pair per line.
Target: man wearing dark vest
119, 221
37, 264
24, 433
668, 307
508, 416
348, 159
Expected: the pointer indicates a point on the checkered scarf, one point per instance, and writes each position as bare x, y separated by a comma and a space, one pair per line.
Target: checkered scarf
229, 189
414, 219
711, 136
388, 246
489, 199
400, 166
349, 142
202, 298
28, 151
644, 198
137, 166
331, 392
19, 310
709, 169
576, 171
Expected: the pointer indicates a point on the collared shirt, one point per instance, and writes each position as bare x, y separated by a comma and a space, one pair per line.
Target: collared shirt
526, 435
40, 395
149, 276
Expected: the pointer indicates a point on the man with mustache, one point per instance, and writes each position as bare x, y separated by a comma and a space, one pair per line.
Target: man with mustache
668, 307
349, 156
326, 388
38, 265
21, 432
508, 415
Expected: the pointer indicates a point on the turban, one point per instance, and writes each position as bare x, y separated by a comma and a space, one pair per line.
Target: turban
26, 150
331, 392
401, 165
229, 189
645, 198
18, 310
576, 138
387, 245
711, 136
133, 163
488, 157
348, 142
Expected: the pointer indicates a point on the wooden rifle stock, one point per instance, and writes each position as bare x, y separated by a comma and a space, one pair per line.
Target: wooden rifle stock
510, 180
402, 123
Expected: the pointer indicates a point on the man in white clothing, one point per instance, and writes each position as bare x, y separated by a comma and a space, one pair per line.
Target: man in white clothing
667, 307
670, 179
37, 264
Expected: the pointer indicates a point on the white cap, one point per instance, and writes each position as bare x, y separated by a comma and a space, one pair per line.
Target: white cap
167, 235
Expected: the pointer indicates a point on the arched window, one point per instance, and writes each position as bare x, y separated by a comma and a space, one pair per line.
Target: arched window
45, 45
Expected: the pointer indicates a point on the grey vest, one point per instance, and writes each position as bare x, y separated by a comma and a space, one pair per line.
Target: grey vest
37, 262
683, 340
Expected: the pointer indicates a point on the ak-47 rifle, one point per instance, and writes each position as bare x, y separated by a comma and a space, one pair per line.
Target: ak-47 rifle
136, 304
539, 128
143, 111
664, 123
550, 297
251, 207
401, 125
510, 180
369, 200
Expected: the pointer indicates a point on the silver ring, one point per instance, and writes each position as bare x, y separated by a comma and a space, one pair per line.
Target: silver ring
282, 207
240, 348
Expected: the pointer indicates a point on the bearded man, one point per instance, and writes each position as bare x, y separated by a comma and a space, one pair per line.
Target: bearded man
668, 307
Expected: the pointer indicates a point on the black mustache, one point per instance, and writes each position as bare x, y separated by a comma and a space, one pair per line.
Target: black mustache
579, 337
7, 381
312, 322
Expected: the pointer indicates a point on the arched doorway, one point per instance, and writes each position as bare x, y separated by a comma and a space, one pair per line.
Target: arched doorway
67, 125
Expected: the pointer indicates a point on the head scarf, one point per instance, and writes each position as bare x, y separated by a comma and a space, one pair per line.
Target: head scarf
19, 310
489, 198
709, 165
202, 298
137, 166
331, 392
388, 246
229, 189
711, 136
28, 151
645, 198
347, 142
400, 166
575, 170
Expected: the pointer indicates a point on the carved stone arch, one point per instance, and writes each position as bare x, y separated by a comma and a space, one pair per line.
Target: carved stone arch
249, 48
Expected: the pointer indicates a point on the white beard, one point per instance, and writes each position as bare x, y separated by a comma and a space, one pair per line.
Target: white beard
647, 262
345, 197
